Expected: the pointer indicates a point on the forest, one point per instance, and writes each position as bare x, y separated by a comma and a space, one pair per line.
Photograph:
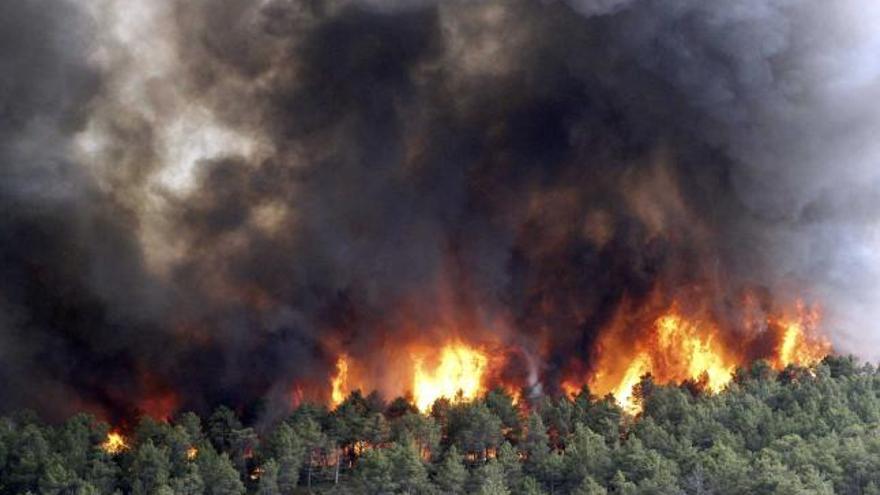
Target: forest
802, 430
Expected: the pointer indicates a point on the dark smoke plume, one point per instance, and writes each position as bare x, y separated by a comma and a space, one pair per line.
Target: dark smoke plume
204, 201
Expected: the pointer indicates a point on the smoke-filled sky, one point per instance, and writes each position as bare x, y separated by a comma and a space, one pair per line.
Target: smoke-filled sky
206, 201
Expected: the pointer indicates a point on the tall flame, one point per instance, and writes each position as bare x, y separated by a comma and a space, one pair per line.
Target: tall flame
800, 341
673, 342
459, 372
677, 348
623, 391
695, 352
339, 383
674, 349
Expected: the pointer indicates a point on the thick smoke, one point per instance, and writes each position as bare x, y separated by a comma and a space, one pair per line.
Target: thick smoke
205, 201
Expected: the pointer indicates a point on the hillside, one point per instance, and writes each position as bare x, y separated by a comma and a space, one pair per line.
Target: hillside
803, 430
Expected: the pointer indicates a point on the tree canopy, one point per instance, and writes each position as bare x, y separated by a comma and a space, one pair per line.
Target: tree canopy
801, 430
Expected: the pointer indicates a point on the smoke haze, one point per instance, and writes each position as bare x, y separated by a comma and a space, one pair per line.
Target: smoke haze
206, 202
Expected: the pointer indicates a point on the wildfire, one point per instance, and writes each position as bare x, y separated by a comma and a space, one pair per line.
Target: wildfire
339, 384
192, 453
676, 348
459, 373
115, 443
800, 341
623, 391
696, 353
673, 349
671, 342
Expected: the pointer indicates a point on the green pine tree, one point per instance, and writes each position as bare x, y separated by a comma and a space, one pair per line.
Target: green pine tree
491, 476
269, 479
218, 473
451, 474
150, 469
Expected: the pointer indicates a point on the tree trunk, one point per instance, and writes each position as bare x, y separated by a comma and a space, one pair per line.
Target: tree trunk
311, 455
338, 460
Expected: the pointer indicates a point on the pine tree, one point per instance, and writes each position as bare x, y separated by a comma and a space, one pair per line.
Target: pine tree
451, 474
286, 446
222, 427
288, 473
508, 458
189, 482
150, 469
620, 485
530, 486
408, 473
500, 402
536, 444
218, 473
491, 477
269, 479
57, 479
101, 472
586, 455
373, 473
314, 441
26, 459
192, 425
589, 487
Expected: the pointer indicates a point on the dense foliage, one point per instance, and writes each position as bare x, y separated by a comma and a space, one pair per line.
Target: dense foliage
802, 430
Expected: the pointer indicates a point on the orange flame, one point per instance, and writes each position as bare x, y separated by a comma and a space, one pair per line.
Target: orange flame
800, 341
459, 373
339, 383
674, 342
623, 391
696, 353
115, 443
674, 349
677, 349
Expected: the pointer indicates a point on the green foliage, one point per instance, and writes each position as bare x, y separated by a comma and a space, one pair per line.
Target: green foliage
508, 459
269, 479
422, 430
284, 443
451, 474
219, 475
189, 482
102, 472
491, 479
536, 444
373, 475
28, 452
589, 487
408, 472
500, 403
151, 469
796, 431
473, 428
221, 426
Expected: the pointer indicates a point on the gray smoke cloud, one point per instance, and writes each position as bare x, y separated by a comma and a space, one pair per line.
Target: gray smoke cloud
204, 201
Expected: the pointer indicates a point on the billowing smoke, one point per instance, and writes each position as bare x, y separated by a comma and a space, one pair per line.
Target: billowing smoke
207, 201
